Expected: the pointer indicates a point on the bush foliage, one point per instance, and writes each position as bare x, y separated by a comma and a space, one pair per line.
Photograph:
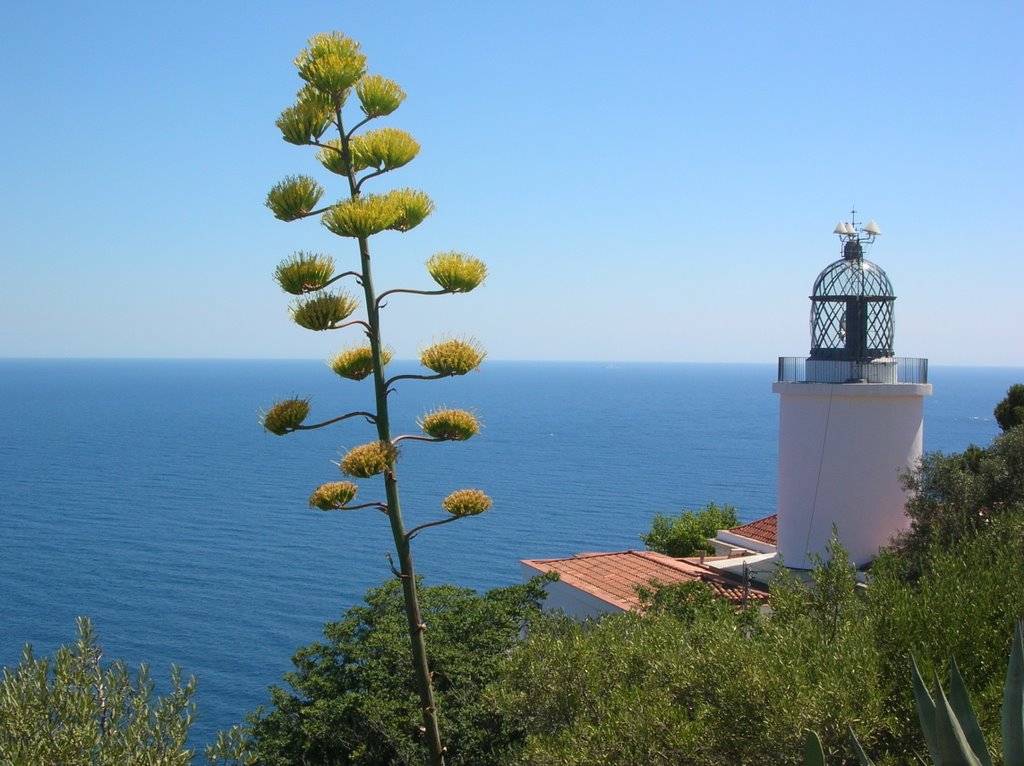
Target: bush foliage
352, 698
687, 533
72, 709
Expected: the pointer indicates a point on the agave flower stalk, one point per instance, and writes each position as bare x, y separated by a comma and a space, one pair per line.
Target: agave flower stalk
333, 68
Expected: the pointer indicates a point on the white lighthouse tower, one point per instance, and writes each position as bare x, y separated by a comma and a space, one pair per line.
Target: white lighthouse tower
851, 416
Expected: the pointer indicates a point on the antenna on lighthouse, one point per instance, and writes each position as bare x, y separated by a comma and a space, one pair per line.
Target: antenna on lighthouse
849, 233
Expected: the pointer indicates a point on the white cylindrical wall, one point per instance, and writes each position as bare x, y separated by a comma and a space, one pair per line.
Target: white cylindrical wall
842, 448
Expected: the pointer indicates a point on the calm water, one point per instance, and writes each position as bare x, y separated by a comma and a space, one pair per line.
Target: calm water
145, 495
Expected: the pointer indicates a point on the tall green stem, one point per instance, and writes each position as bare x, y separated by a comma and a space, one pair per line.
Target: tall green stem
407, 572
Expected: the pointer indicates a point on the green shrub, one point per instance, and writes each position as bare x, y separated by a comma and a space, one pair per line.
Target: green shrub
687, 533
707, 689
72, 709
352, 698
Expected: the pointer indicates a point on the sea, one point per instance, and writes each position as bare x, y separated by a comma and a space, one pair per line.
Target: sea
145, 495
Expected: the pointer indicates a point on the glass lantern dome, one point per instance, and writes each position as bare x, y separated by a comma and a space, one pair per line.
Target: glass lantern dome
852, 308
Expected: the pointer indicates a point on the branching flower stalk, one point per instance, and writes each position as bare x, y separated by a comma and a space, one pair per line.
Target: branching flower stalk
333, 68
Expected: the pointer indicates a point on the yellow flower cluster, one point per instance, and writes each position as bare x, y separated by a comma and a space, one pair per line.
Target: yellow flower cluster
450, 425
467, 502
368, 460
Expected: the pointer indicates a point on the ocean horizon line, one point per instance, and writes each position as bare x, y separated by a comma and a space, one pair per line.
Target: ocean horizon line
606, 362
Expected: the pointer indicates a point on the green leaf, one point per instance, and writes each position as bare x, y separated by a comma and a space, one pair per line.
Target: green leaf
862, 757
952, 747
960, 700
1013, 701
814, 755
925, 710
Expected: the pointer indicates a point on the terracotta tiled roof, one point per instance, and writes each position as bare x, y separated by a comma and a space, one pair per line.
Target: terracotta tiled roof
762, 530
614, 577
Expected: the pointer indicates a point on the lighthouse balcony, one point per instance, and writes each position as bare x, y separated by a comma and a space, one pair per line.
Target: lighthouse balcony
890, 369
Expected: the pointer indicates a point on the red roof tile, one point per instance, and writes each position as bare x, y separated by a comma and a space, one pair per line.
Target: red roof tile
763, 530
614, 577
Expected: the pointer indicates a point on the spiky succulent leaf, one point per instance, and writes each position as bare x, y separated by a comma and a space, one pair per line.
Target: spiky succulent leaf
384, 149
285, 416
1013, 701
953, 747
457, 272
294, 197
960, 701
413, 208
304, 123
333, 496
450, 425
368, 460
304, 272
925, 710
324, 311
862, 757
357, 363
363, 216
467, 502
454, 356
379, 96
814, 755
332, 64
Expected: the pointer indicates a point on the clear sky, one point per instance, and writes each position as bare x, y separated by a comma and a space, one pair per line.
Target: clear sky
650, 181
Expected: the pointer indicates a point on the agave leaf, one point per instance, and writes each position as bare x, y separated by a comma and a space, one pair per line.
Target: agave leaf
952, 746
814, 755
862, 757
960, 700
1013, 701
925, 710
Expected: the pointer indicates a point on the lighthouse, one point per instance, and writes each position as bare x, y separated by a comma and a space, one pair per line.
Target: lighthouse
851, 414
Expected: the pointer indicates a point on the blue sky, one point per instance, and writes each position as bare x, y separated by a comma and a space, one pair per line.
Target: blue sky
649, 182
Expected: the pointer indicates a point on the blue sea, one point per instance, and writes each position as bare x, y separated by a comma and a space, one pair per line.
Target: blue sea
146, 495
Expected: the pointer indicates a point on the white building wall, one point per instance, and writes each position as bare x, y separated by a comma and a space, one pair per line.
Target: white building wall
575, 603
842, 448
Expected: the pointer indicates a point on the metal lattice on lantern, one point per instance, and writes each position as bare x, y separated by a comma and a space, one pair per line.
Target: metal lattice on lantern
852, 305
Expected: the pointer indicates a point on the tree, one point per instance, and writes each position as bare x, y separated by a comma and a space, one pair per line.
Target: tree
687, 533
72, 710
954, 497
333, 68
352, 698
1010, 411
